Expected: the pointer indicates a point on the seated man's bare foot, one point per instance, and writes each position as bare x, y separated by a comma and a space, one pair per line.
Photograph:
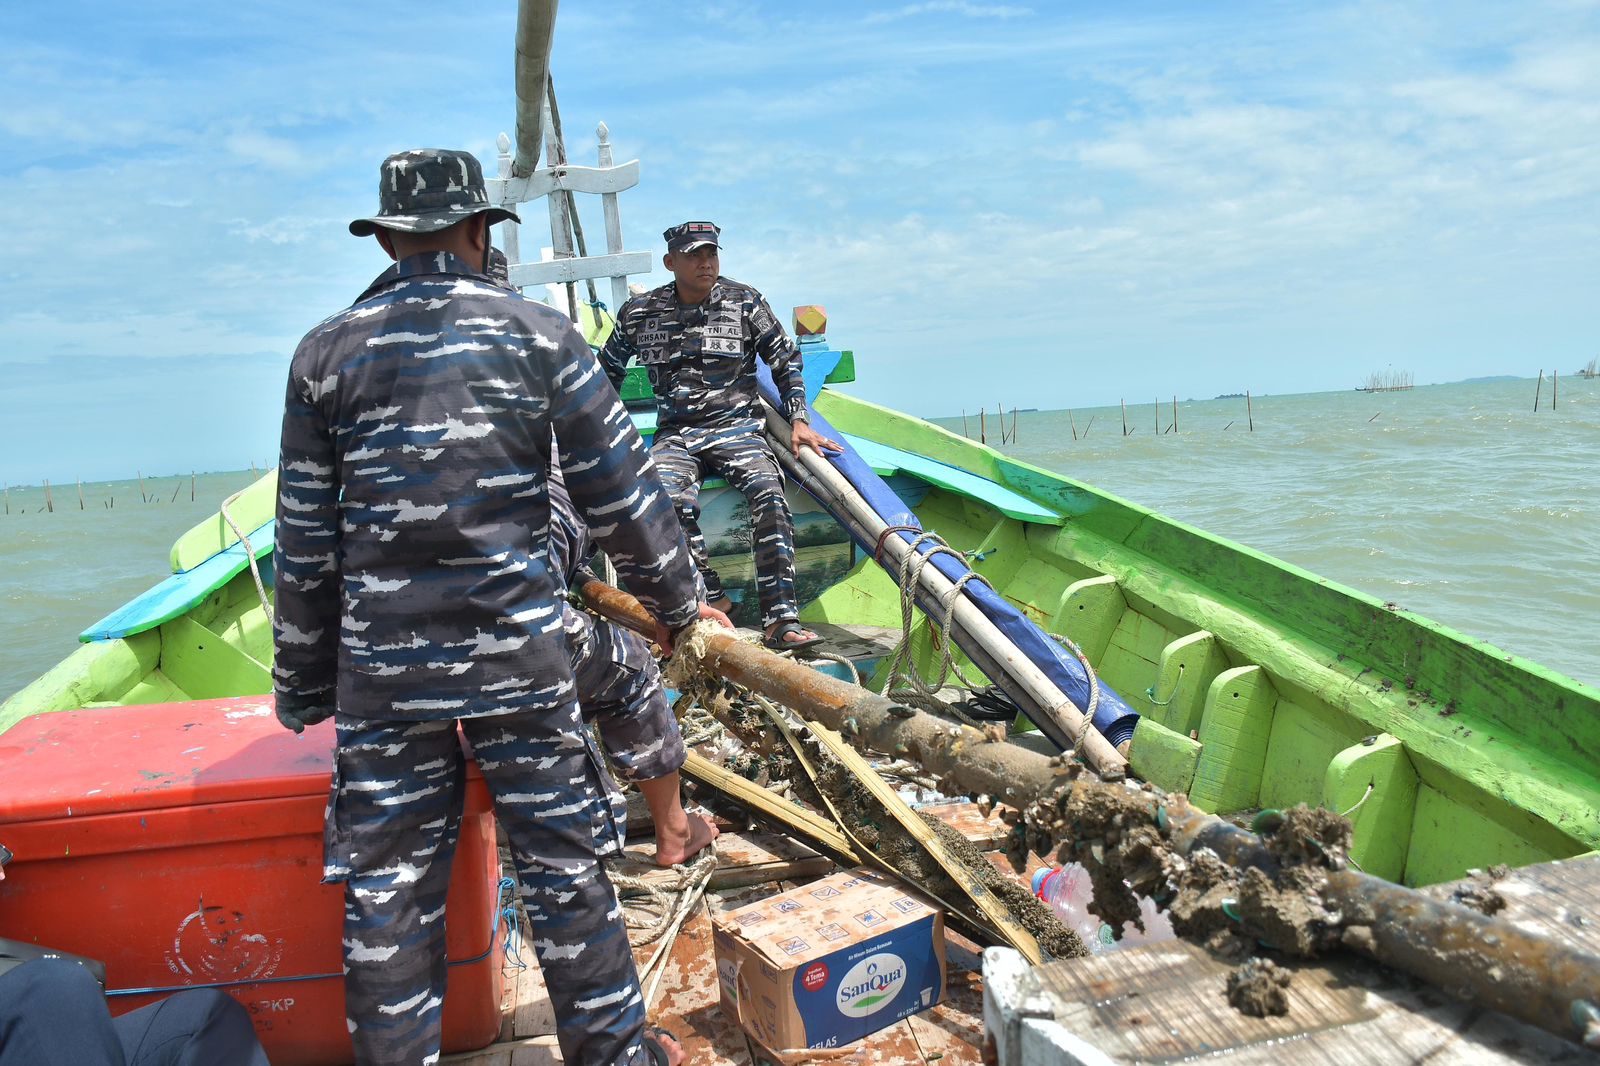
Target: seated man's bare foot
666, 1043
724, 604
683, 841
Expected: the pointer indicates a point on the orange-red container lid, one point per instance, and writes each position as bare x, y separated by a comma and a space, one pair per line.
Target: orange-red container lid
120, 759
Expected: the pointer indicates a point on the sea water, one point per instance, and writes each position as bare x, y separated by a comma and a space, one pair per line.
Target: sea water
1454, 501
1458, 502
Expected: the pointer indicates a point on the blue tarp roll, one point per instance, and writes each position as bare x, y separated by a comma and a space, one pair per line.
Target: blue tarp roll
1113, 717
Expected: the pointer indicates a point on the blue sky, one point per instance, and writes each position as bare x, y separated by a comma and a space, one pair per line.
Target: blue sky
1040, 204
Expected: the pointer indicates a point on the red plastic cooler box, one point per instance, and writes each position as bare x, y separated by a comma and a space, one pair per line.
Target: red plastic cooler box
181, 844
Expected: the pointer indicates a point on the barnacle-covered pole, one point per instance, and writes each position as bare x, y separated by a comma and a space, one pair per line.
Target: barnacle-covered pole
1128, 832
967, 759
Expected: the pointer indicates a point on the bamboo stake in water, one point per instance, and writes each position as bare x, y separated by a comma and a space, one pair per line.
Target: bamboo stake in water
1555, 387
1174, 412
1089, 426
175, 490
142, 497
1156, 410
1124, 418
1071, 422
983, 425
8, 497
191, 486
1537, 389
1248, 412
49, 504
80, 494
1013, 425
964, 431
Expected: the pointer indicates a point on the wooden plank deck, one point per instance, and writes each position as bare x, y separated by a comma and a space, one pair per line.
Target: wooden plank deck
687, 1000
1166, 1002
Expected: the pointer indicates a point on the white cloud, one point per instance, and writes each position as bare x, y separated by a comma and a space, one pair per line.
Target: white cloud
951, 7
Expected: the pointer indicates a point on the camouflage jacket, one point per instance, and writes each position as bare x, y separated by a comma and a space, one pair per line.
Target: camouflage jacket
413, 517
702, 359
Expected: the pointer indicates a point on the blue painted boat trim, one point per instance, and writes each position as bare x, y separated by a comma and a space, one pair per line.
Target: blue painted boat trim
887, 460
181, 592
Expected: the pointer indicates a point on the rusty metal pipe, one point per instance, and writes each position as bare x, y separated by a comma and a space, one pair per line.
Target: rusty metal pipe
1487, 961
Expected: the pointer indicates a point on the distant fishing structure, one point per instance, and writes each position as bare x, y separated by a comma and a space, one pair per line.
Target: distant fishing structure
1387, 381
1591, 370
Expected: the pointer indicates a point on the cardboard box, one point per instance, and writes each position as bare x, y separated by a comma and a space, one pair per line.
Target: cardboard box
829, 962
181, 844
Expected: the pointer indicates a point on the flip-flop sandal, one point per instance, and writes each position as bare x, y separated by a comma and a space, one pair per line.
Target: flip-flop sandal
652, 1043
775, 642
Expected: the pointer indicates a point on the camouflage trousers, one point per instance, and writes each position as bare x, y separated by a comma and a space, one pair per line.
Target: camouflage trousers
748, 465
392, 828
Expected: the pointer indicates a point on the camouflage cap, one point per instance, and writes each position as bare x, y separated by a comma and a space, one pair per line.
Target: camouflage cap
424, 190
688, 236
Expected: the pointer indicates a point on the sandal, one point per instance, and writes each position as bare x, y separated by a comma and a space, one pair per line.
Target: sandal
652, 1043
775, 641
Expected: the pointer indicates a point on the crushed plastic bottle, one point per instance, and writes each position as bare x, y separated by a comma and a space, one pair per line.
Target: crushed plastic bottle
1069, 891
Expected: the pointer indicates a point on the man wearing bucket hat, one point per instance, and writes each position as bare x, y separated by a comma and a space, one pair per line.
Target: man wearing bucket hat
415, 596
699, 336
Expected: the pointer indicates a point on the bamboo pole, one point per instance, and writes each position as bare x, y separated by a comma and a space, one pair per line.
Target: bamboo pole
1537, 389
1013, 425
8, 497
1124, 418
964, 431
49, 504
1048, 707
80, 494
1072, 423
1174, 412
1555, 387
142, 497
535, 30
572, 200
191, 486
175, 490
1089, 426
1155, 409
983, 425
1250, 414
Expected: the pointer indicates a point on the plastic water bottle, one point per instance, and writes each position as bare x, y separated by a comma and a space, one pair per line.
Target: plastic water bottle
1068, 891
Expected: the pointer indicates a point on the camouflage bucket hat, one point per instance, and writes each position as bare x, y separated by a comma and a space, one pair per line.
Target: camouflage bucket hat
427, 189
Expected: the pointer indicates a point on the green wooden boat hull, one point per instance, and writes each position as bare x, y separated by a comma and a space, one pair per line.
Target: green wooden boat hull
1260, 684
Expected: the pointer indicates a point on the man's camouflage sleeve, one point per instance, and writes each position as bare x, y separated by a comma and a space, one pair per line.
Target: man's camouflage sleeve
615, 489
305, 555
780, 353
619, 348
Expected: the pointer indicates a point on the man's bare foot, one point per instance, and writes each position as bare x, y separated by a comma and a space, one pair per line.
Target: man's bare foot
682, 842
725, 604
666, 1042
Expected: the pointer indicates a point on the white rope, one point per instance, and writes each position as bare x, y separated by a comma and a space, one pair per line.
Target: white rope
689, 886
903, 668
249, 553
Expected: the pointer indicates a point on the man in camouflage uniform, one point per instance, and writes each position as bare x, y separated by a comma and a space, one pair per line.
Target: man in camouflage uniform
414, 595
699, 337
619, 686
